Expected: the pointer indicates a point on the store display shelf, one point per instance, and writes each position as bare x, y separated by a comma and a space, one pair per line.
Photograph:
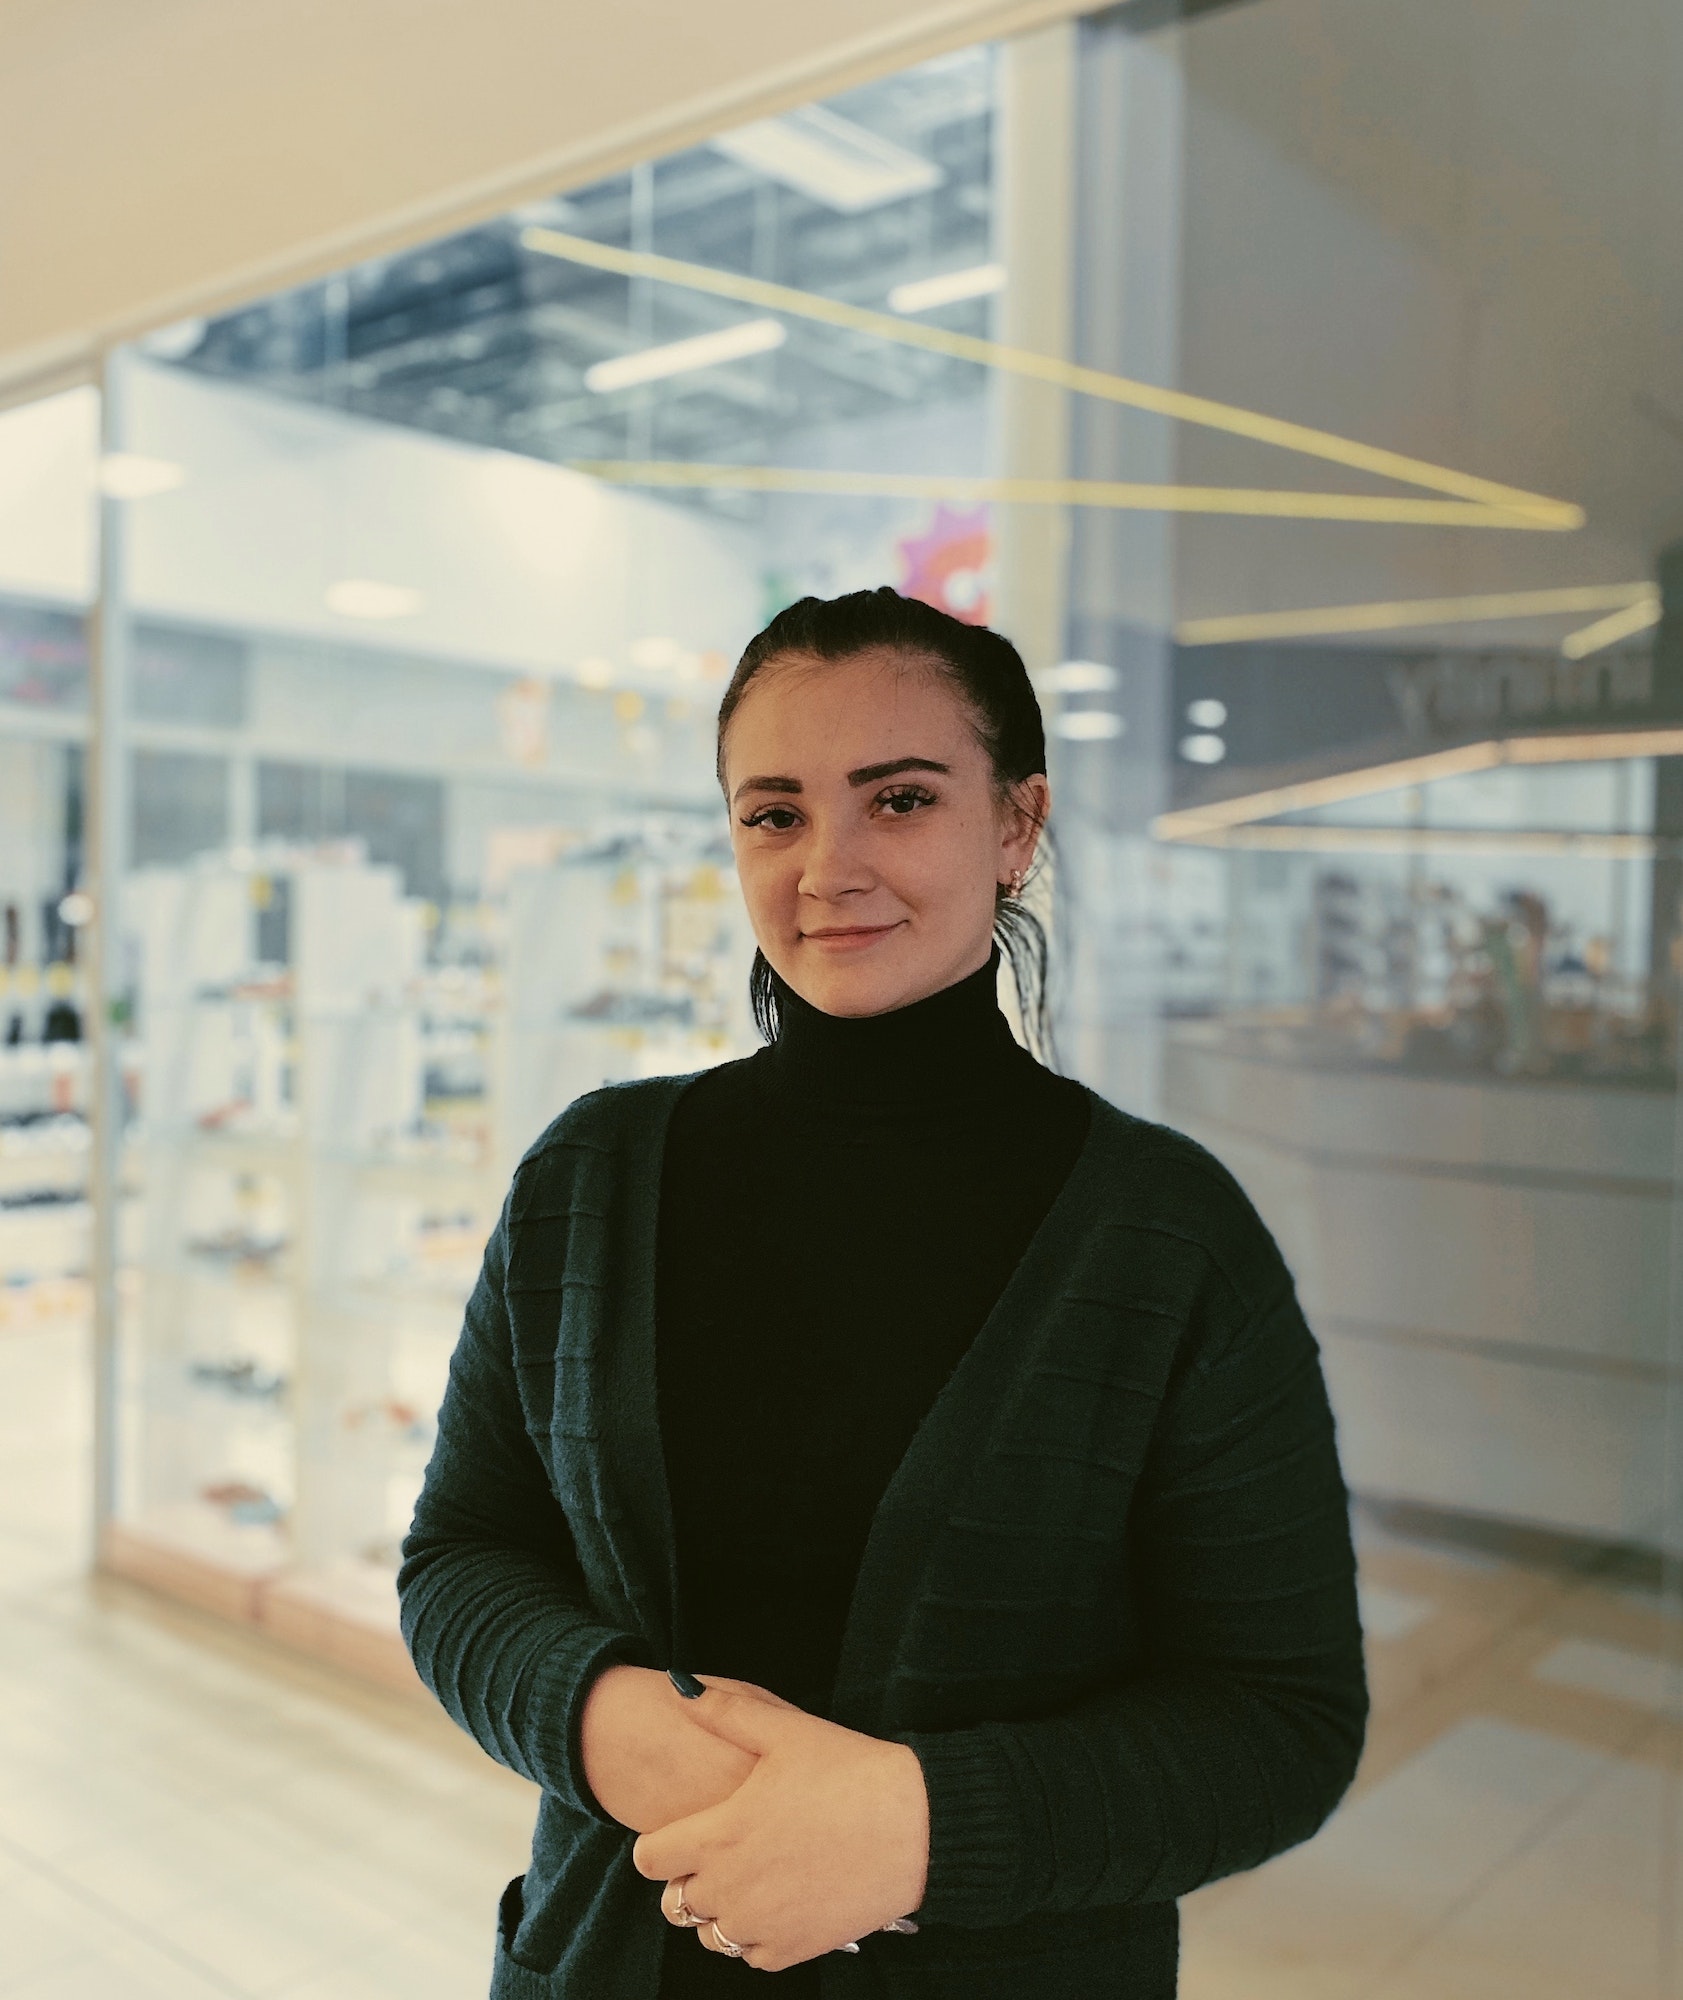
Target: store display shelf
33, 1302
382, 1293
38, 1179
193, 1552
271, 1153
420, 1174
344, 1613
246, 1274
323, 1156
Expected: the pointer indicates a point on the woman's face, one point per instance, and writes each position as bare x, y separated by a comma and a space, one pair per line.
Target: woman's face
868, 840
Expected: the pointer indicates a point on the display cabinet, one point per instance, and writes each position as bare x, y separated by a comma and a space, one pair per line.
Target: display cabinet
1444, 1068
330, 1106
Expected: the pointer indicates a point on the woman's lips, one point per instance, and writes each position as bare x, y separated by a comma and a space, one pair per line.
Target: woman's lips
849, 940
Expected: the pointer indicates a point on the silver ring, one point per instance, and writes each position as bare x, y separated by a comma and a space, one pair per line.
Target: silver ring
735, 1950
684, 1914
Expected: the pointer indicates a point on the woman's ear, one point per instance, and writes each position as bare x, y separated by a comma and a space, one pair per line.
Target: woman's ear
1030, 802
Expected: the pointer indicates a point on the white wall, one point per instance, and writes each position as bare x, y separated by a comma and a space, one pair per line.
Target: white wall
519, 564
47, 517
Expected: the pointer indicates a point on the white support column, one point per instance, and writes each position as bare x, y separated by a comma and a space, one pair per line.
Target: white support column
1127, 265
105, 863
1034, 226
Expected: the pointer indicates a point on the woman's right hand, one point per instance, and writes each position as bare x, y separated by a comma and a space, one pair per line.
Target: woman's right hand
646, 1763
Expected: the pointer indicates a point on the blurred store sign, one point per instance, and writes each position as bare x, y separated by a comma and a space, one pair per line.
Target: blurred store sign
1299, 711
948, 563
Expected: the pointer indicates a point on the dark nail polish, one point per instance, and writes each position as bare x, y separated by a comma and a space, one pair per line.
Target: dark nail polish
686, 1684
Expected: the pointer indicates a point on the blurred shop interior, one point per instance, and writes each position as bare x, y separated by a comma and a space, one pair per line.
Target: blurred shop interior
1299, 384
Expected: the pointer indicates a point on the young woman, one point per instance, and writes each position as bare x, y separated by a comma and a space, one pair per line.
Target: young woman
963, 1429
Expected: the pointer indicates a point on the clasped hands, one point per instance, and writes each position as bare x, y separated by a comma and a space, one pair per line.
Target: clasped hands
795, 1834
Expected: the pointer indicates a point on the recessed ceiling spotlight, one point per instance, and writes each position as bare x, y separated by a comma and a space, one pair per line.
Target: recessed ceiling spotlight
363, 597
130, 475
1206, 714
1088, 725
1202, 749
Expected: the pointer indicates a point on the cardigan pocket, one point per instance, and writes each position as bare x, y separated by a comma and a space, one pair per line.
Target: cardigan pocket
510, 1980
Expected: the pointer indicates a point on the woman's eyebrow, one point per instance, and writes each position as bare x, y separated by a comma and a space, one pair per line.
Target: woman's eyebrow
765, 785
867, 774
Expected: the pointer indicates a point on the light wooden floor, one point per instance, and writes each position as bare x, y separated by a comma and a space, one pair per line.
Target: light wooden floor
185, 1813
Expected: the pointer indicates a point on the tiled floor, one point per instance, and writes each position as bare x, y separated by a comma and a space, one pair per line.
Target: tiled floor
186, 1814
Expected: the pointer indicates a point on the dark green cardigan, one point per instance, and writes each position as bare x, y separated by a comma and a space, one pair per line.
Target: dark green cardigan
1108, 1597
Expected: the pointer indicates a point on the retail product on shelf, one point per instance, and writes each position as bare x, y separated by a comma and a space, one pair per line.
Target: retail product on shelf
626, 957
334, 1086
44, 1151
1425, 974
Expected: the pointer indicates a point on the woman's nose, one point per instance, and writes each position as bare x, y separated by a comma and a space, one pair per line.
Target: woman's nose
832, 864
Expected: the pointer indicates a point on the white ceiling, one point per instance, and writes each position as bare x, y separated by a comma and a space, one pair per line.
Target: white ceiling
185, 155
1455, 228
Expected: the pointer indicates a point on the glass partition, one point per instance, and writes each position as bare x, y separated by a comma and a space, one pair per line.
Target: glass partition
1295, 384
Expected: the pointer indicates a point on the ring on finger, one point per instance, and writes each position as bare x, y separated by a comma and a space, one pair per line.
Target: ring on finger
682, 1913
725, 1944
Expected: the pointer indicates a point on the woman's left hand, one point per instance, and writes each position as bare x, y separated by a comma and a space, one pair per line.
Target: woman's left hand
826, 1839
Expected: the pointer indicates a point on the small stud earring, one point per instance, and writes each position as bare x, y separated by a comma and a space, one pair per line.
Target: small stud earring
1016, 881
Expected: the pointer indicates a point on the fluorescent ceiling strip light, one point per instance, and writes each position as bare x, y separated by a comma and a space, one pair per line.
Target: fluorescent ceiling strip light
1432, 839
683, 357
833, 160
1527, 510
1399, 616
925, 294
366, 597
1279, 503
1638, 617
1198, 823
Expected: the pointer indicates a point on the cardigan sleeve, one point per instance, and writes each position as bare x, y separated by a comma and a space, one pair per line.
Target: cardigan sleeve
1242, 1727
494, 1607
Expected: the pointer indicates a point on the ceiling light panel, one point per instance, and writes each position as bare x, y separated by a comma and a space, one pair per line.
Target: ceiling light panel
130, 475
682, 357
366, 597
925, 294
830, 159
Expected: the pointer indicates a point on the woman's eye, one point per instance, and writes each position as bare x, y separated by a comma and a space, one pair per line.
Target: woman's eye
912, 795
765, 813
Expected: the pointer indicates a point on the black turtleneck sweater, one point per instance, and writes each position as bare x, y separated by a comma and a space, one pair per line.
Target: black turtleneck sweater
838, 1215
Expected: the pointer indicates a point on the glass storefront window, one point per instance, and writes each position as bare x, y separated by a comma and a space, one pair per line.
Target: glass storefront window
1294, 383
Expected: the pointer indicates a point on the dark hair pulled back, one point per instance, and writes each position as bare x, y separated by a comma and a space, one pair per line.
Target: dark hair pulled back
988, 674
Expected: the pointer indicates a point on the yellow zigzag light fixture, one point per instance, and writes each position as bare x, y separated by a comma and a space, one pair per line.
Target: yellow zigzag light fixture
1471, 502
1633, 608
1233, 822
1278, 503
